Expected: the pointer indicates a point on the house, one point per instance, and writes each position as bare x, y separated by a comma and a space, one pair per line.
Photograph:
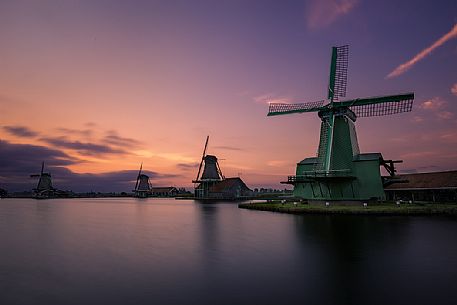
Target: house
432, 187
169, 191
228, 189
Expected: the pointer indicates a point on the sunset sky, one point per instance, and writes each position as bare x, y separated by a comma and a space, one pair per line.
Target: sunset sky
94, 88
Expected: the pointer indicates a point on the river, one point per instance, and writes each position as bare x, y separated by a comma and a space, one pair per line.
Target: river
166, 251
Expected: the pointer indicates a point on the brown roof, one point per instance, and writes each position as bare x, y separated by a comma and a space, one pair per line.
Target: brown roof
227, 184
427, 180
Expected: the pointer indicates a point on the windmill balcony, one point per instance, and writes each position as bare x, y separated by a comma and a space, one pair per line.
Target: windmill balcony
316, 175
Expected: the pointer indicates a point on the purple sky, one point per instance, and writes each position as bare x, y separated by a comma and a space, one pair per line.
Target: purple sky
94, 88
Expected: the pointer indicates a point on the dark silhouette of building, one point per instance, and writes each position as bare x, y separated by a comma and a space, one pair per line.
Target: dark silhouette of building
431, 187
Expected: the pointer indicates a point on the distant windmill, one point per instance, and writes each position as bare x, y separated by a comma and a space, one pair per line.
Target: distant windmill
44, 187
142, 186
340, 171
211, 173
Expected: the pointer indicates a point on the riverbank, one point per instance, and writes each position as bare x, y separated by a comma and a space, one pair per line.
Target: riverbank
372, 209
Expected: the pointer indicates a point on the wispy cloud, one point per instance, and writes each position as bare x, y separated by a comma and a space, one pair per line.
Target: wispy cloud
83, 148
450, 137
417, 119
445, 115
20, 131
322, 13
114, 138
435, 103
422, 54
228, 148
18, 161
454, 89
277, 163
78, 132
270, 98
188, 166
438, 107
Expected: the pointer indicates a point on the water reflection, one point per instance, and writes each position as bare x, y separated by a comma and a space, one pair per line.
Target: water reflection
122, 251
363, 260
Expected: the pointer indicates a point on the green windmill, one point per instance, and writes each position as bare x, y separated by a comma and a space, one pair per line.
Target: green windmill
340, 172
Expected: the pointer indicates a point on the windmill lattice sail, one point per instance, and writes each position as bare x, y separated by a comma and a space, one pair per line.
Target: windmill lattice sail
338, 72
384, 108
284, 108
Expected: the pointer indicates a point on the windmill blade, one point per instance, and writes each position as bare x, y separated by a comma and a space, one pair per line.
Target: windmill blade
283, 108
379, 106
138, 177
42, 167
203, 158
206, 146
338, 72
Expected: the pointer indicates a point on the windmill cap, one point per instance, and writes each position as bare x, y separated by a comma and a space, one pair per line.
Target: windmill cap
210, 158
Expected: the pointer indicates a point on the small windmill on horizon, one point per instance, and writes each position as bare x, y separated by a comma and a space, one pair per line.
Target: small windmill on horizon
142, 185
211, 174
340, 172
44, 188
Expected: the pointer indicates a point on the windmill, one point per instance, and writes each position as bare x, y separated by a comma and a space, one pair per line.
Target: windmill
211, 173
142, 185
44, 187
340, 172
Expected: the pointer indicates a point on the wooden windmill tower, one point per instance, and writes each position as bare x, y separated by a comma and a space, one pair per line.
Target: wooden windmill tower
142, 185
44, 188
211, 173
340, 172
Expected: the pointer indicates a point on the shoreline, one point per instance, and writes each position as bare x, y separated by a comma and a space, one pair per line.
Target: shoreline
385, 209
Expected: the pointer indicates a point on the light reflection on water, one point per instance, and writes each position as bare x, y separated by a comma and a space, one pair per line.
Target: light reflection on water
165, 251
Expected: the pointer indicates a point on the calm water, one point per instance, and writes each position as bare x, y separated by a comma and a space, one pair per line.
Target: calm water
160, 251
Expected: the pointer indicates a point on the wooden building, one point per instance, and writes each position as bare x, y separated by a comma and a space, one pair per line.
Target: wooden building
429, 187
169, 191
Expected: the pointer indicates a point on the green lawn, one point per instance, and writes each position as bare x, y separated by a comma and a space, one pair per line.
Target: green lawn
376, 209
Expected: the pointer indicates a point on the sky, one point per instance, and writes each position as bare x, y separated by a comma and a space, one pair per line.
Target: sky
94, 88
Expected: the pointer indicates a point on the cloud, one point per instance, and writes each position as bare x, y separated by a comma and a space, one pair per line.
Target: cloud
114, 139
80, 132
437, 105
29, 157
18, 161
445, 115
424, 53
84, 148
117, 181
433, 104
322, 13
417, 119
450, 137
20, 131
454, 89
268, 98
188, 166
277, 163
228, 148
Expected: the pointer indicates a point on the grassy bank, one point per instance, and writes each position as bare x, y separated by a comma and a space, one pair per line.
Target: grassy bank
372, 209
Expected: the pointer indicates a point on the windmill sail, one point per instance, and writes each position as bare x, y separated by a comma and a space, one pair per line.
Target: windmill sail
380, 106
338, 73
203, 157
283, 108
